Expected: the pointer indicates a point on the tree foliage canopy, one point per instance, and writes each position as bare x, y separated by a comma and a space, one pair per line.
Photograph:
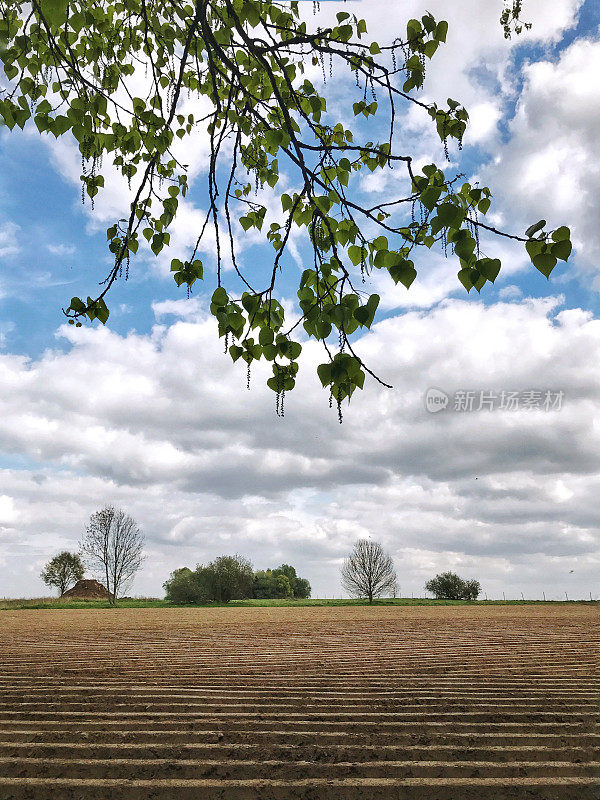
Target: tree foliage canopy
182, 587
227, 578
281, 582
224, 579
62, 571
449, 586
115, 75
232, 578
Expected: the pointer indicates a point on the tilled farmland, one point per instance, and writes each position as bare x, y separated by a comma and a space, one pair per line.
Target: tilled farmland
431, 703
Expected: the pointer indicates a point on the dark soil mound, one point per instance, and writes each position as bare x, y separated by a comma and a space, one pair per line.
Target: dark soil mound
88, 590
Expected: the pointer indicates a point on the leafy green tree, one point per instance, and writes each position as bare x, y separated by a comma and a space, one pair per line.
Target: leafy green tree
300, 586
301, 589
279, 583
283, 587
228, 578
115, 76
288, 571
186, 586
262, 584
63, 571
449, 586
224, 579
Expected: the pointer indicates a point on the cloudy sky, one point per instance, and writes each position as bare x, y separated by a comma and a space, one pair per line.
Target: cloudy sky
148, 414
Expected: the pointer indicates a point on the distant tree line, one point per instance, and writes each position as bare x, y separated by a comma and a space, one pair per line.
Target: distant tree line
233, 578
369, 572
112, 546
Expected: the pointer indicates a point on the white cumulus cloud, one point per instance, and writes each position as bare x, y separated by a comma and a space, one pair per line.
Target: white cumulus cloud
162, 425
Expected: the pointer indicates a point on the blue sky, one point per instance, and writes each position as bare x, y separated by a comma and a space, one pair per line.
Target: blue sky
149, 414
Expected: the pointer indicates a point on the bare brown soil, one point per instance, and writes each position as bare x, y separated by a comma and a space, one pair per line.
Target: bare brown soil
351, 703
87, 590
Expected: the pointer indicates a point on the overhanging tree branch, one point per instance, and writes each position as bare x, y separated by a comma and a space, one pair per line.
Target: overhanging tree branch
248, 59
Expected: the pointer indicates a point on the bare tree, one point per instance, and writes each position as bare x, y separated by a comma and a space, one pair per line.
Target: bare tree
368, 571
113, 545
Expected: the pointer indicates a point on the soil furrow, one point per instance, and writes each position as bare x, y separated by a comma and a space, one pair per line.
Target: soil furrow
351, 703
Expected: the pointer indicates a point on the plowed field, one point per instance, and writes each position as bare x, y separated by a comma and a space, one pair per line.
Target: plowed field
431, 703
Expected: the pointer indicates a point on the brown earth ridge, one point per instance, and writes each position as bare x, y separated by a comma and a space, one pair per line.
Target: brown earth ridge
346, 703
87, 590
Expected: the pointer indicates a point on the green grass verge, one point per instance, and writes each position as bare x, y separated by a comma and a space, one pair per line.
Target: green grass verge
150, 602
